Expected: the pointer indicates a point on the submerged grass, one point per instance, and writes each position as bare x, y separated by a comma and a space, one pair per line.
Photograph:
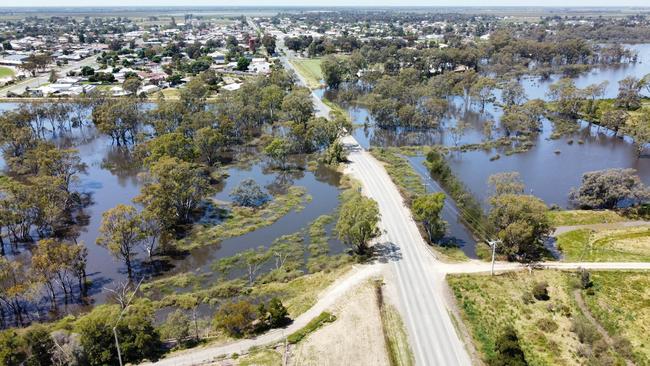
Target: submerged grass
241, 220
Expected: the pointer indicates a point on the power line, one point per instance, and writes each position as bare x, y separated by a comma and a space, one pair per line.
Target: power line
476, 224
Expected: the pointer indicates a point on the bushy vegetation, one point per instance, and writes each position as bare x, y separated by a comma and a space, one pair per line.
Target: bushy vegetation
610, 189
357, 223
313, 325
471, 210
243, 318
555, 331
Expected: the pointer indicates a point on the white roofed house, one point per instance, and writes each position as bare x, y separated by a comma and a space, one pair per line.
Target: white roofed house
259, 66
118, 91
148, 89
232, 87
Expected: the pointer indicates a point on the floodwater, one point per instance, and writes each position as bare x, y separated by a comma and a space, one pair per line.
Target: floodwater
457, 233
111, 181
536, 88
322, 186
550, 169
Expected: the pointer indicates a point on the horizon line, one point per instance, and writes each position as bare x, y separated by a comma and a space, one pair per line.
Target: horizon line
327, 6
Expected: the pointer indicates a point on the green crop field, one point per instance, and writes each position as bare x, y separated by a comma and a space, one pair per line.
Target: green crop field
6, 72
310, 69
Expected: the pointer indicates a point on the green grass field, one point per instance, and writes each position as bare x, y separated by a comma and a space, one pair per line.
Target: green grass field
620, 245
309, 68
547, 330
6, 72
621, 303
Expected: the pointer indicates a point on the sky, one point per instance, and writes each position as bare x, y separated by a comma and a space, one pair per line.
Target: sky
482, 3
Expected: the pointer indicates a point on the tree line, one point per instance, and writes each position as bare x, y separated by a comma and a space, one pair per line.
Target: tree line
179, 143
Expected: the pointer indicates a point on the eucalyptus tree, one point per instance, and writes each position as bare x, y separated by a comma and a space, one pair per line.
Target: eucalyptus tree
121, 233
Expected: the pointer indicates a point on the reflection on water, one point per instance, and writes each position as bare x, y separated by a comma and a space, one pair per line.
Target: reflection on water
322, 185
112, 180
536, 88
550, 169
457, 233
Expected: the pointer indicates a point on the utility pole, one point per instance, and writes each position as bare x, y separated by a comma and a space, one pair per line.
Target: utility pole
493, 244
117, 343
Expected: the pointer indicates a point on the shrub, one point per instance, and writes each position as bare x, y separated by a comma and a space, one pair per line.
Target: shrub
39, 345
235, 318
547, 325
11, 348
272, 315
540, 291
249, 194
314, 324
585, 279
623, 347
585, 331
508, 350
139, 340
527, 297
177, 326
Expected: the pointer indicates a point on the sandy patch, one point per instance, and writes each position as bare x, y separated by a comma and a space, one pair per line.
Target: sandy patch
355, 338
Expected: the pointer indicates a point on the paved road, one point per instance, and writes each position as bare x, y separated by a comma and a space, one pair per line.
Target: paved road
39, 80
432, 335
419, 276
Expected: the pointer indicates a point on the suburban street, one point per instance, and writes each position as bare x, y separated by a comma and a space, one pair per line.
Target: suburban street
41, 79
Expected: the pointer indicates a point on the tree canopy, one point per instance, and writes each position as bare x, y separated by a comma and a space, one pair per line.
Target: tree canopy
357, 223
610, 189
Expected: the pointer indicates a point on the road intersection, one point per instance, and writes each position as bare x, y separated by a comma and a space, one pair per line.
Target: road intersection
419, 276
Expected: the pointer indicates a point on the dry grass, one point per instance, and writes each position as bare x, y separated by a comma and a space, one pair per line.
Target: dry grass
300, 294
355, 338
620, 301
488, 304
